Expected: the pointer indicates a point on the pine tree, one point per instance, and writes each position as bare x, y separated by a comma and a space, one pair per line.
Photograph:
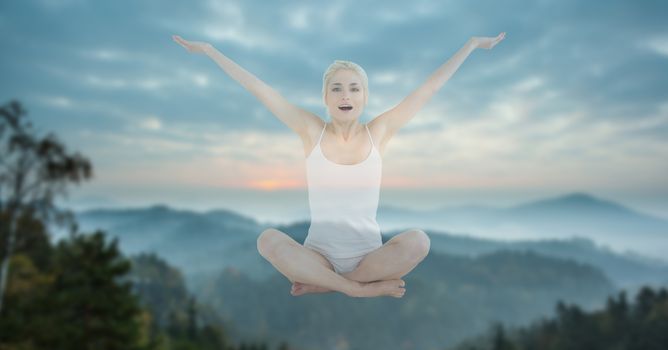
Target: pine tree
90, 308
192, 319
500, 341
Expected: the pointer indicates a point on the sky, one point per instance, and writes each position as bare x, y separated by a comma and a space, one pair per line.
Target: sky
575, 99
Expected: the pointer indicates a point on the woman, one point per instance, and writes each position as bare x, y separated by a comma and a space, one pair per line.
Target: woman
343, 250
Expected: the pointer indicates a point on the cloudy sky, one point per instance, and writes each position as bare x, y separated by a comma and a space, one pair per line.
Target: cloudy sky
574, 99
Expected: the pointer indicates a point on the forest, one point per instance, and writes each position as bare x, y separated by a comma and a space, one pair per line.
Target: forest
638, 325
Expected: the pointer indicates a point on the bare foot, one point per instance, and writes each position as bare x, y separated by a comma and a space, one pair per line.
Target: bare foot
393, 288
301, 289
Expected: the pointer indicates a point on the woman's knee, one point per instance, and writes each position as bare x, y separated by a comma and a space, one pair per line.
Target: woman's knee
419, 242
268, 240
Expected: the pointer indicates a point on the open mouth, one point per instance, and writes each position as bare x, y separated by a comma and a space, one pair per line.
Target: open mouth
345, 108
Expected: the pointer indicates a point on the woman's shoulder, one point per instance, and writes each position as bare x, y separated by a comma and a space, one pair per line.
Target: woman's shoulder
311, 133
314, 127
378, 133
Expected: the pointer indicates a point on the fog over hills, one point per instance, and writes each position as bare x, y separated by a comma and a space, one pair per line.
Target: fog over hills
574, 215
205, 243
464, 283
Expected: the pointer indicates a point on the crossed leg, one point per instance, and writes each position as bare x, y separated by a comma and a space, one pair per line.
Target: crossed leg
300, 264
396, 258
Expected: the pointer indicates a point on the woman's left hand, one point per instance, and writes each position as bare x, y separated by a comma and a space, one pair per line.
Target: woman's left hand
485, 42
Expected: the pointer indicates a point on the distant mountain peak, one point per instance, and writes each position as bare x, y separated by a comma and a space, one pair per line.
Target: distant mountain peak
580, 197
575, 202
159, 207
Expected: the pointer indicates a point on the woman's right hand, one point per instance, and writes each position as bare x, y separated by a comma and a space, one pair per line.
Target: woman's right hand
192, 46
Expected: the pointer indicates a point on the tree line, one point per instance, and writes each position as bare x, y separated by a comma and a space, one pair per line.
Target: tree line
641, 325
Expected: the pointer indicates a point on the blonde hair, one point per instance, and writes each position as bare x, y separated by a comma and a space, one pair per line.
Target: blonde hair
340, 64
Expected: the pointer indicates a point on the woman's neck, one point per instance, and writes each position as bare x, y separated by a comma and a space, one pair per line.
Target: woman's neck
344, 131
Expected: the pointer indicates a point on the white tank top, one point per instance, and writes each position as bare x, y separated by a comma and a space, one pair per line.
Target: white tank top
343, 201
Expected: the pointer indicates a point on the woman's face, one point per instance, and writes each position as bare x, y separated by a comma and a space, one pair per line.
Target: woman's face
345, 95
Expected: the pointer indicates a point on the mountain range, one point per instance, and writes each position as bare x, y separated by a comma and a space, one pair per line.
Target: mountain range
204, 243
464, 283
573, 215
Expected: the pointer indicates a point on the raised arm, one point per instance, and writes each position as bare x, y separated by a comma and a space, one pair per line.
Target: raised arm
392, 120
294, 117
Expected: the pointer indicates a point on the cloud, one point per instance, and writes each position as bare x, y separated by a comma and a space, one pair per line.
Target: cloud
123, 81
385, 78
59, 4
89, 107
151, 123
657, 44
398, 12
299, 18
558, 94
192, 156
228, 21
108, 55
57, 101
